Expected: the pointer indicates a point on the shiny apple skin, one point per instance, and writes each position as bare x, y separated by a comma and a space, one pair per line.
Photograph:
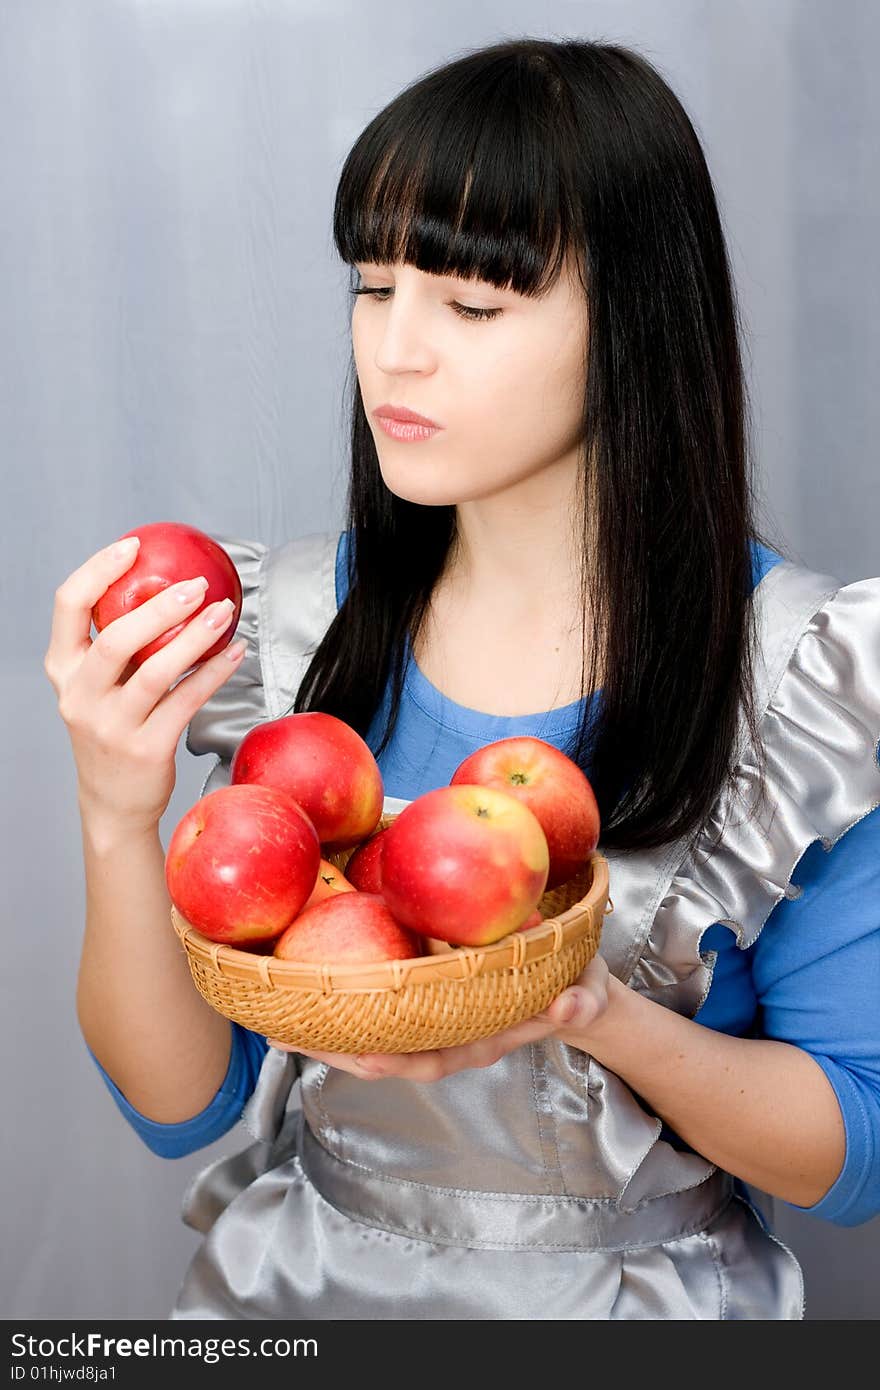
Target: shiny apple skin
364, 868
241, 863
169, 552
347, 929
467, 864
324, 764
553, 787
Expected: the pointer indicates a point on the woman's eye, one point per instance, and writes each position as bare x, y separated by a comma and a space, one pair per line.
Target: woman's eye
465, 311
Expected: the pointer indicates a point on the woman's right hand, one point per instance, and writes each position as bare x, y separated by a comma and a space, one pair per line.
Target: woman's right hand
125, 721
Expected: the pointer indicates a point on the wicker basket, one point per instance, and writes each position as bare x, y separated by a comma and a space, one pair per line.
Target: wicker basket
440, 1000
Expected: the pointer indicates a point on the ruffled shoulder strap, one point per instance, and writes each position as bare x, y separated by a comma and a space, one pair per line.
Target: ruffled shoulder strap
288, 602
818, 700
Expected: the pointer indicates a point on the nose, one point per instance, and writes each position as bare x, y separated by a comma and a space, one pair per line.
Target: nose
403, 341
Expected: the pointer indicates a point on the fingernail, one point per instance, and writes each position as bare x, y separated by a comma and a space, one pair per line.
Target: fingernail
190, 589
219, 614
566, 1007
126, 547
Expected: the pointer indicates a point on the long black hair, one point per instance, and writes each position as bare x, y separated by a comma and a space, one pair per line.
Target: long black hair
501, 164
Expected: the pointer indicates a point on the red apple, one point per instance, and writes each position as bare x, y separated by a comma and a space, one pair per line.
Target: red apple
466, 864
324, 764
169, 552
348, 928
241, 863
552, 786
364, 868
330, 880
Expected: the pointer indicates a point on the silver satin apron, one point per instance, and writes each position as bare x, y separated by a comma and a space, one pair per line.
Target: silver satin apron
540, 1187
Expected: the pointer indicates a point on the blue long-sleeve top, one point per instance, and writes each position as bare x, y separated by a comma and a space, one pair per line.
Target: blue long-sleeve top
812, 977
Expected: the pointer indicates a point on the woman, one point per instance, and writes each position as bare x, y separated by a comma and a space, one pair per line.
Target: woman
541, 272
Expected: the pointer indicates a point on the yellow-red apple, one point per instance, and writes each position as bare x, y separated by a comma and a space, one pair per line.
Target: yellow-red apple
324, 764
533, 920
241, 863
434, 946
553, 787
330, 880
467, 864
347, 928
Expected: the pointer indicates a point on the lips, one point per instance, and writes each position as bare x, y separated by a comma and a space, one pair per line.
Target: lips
409, 417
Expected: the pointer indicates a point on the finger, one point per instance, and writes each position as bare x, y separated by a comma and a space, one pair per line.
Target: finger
177, 708
560, 1010
115, 645
485, 1052
577, 1008
74, 601
593, 981
140, 696
415, 1066
434, 1064
344, 1061
431, 1065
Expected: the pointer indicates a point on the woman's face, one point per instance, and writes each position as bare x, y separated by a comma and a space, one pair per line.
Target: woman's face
507, 390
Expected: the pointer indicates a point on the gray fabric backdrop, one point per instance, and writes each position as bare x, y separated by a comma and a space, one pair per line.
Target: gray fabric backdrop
172, 344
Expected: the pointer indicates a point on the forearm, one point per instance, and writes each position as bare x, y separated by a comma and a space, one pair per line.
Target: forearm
763, 1110
166, 1049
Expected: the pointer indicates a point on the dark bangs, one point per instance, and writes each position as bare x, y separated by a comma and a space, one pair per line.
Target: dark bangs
455, 177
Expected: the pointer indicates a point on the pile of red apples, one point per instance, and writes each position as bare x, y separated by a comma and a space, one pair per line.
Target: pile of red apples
462, 865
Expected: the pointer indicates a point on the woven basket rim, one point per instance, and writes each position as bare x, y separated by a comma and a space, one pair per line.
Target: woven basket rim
464, 962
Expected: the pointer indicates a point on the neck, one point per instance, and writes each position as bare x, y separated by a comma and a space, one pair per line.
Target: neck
520, 550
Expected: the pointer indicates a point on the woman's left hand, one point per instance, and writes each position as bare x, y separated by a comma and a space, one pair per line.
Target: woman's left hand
568, 1018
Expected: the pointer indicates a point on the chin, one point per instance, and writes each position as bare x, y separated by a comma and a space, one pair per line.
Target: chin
419, 488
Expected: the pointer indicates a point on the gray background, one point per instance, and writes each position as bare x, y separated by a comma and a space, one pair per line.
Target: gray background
173, 338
